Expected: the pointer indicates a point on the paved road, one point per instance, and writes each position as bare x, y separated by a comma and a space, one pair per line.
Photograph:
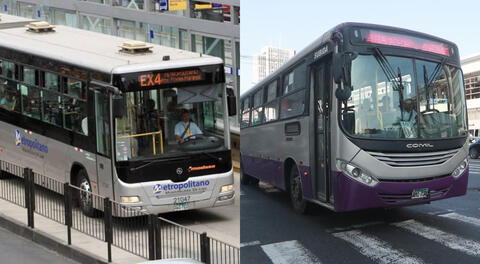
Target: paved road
445, 231
15, 249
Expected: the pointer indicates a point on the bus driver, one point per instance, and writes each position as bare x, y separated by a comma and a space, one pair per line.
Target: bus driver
186, 128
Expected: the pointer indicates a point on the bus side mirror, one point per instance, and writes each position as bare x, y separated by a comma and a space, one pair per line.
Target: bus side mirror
119, 106
231, 102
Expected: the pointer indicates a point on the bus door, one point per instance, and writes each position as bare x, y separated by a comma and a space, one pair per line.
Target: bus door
103, 140
319, 84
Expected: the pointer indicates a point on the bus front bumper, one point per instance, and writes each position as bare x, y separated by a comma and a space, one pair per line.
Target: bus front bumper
157, 198
351, 195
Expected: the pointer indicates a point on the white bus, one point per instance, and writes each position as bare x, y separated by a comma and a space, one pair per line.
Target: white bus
104, 114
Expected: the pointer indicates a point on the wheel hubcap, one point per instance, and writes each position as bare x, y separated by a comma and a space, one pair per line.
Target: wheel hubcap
296, 188
85, 196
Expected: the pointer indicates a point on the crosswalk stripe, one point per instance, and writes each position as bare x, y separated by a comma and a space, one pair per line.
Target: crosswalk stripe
467, 246
377, 250
289, 252
462, 218
251, 243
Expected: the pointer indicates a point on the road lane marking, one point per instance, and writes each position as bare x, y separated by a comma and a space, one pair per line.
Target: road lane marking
358, 226
452, 241
289, 252
441, 212
462, 218
377, 250
251, 243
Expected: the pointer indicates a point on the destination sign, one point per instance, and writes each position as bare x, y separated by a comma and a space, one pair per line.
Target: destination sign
162, 78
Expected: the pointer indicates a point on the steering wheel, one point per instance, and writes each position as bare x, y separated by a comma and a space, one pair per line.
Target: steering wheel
191, 137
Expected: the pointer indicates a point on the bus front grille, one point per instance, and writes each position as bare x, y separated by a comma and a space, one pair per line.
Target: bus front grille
414, 159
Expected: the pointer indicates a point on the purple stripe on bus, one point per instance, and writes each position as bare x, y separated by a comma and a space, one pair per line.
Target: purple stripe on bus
351, 195
264, 169
307, 183
271, 171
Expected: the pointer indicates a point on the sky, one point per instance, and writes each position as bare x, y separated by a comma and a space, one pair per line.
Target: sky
295, 24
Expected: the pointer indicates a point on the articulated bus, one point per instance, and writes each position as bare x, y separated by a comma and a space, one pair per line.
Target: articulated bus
366, 116
103, 113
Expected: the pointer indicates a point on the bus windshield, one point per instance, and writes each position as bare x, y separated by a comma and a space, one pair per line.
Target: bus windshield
170, 122
420, 100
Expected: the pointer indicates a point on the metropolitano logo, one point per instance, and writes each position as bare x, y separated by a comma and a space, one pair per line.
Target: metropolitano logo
18, 138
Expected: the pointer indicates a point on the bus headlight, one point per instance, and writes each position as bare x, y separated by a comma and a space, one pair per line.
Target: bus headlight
356, 173
226, 188
130, 199
460, 169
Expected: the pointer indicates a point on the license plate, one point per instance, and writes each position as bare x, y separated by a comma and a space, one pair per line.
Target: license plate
421, 193
181, 206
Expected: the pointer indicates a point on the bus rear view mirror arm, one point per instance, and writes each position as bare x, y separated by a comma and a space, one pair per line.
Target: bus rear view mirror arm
342, 64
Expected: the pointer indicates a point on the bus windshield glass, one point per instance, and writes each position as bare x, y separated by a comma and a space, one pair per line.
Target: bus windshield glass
415, 99
170, 122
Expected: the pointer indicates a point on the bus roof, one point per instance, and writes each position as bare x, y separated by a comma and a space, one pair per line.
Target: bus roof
8, 21
325, 38
97, 51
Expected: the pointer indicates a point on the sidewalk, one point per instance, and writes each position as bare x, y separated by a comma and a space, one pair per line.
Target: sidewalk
52, 235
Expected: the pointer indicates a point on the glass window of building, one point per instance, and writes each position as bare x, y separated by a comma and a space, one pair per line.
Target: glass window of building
134, 4
165, 35
26, 10
131, 29
97, 24
64, 17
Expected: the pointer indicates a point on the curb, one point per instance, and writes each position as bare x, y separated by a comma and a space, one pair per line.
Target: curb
50, 243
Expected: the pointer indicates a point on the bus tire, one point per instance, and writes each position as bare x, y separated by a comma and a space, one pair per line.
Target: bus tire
85, 199
473, 153
299, 204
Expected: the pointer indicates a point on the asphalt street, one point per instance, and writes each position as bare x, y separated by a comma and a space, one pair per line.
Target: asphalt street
446, 231
15, 249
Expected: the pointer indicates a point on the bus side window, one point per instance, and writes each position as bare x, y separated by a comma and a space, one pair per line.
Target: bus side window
75, 113
245, 119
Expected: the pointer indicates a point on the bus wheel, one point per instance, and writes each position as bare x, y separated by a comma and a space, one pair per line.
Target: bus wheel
473, 153
296, 195
85, 198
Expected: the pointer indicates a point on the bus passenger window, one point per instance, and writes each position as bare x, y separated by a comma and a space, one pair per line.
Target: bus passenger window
30, 101
8, 95
8, 69
272, 91
51, 81
245, 119
292, 105
52, 108
76, 89
257, 116
30, 76
75, 113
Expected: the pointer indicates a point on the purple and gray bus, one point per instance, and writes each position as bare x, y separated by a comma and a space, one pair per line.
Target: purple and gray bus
366, 116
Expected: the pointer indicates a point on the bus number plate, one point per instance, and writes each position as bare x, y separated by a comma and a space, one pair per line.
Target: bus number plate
181, 203
421, 193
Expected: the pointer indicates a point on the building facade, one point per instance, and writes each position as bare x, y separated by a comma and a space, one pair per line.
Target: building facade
471, 74
268, 60
208, 27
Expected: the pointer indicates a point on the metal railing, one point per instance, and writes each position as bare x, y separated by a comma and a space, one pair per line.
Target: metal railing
132, 230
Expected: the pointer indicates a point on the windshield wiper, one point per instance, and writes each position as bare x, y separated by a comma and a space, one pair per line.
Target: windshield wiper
428, 81
155, 161
389, 73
